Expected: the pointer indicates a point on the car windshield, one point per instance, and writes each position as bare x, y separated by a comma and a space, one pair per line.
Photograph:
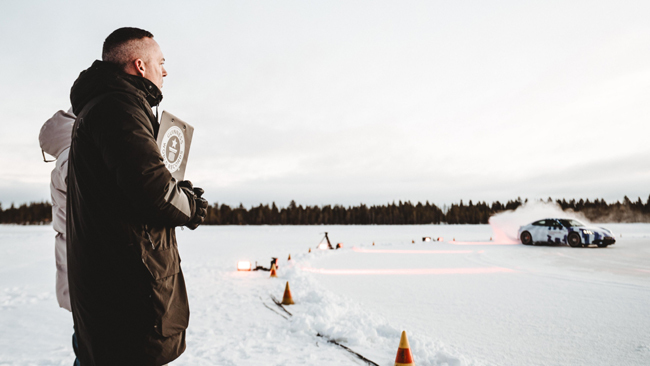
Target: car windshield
571, 222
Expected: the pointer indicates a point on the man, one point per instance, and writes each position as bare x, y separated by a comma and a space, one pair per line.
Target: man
127, 290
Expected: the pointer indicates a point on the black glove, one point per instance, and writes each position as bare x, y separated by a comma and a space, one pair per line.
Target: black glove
200, 203
200, 211
186, 185
198, 191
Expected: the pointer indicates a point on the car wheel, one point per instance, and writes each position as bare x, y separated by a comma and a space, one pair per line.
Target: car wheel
526, 238
574, 240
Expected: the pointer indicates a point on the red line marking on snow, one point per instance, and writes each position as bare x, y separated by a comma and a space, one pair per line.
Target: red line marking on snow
643, 270
408, 271
479, 243
361, 250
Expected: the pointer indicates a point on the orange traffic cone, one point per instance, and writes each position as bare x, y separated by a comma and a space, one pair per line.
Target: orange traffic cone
404, 357
287, 300
309, 250
289, 257
274, 272
373, 243
412, 241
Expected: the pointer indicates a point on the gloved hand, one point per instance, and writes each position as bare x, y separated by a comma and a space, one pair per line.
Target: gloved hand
200, 211
198, 191
200, 203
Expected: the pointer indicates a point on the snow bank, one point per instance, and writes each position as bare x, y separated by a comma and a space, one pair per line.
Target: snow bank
231, 324
321, 311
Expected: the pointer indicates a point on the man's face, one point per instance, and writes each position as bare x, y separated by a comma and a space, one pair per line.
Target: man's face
155, 63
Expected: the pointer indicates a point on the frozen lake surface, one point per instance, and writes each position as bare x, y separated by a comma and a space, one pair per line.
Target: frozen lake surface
466, 301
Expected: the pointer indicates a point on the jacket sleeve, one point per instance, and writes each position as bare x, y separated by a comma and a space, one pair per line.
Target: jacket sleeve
58, 191
124, 137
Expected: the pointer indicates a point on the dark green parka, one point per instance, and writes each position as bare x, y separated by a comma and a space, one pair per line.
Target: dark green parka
127, 290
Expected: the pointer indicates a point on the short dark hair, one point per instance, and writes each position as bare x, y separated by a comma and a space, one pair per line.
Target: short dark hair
114, 49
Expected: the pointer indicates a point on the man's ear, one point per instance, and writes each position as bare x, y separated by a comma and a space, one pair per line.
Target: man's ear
139, 67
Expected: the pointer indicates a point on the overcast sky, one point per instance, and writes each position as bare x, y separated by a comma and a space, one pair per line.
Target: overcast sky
342, 102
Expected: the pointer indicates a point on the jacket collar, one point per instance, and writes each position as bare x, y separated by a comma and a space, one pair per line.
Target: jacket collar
105, 77
152, 93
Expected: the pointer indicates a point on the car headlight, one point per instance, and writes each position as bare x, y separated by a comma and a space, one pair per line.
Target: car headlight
588, 232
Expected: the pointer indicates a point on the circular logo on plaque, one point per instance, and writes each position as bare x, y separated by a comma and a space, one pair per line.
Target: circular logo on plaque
173, 148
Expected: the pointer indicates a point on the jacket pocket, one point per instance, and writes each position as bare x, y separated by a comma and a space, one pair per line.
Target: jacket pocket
169, 296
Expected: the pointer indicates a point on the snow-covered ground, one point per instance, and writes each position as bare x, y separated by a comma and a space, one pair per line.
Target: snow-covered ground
462, 302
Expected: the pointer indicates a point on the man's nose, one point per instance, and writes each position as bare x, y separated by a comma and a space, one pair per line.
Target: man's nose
164, 72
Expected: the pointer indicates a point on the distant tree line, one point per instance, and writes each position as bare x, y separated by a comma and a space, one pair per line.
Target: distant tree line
407, 213
34, 213
601, 211
401, 213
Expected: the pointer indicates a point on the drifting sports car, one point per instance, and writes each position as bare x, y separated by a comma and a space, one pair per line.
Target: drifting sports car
567, 231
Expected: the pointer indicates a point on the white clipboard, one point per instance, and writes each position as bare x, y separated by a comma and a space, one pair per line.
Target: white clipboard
174, 140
